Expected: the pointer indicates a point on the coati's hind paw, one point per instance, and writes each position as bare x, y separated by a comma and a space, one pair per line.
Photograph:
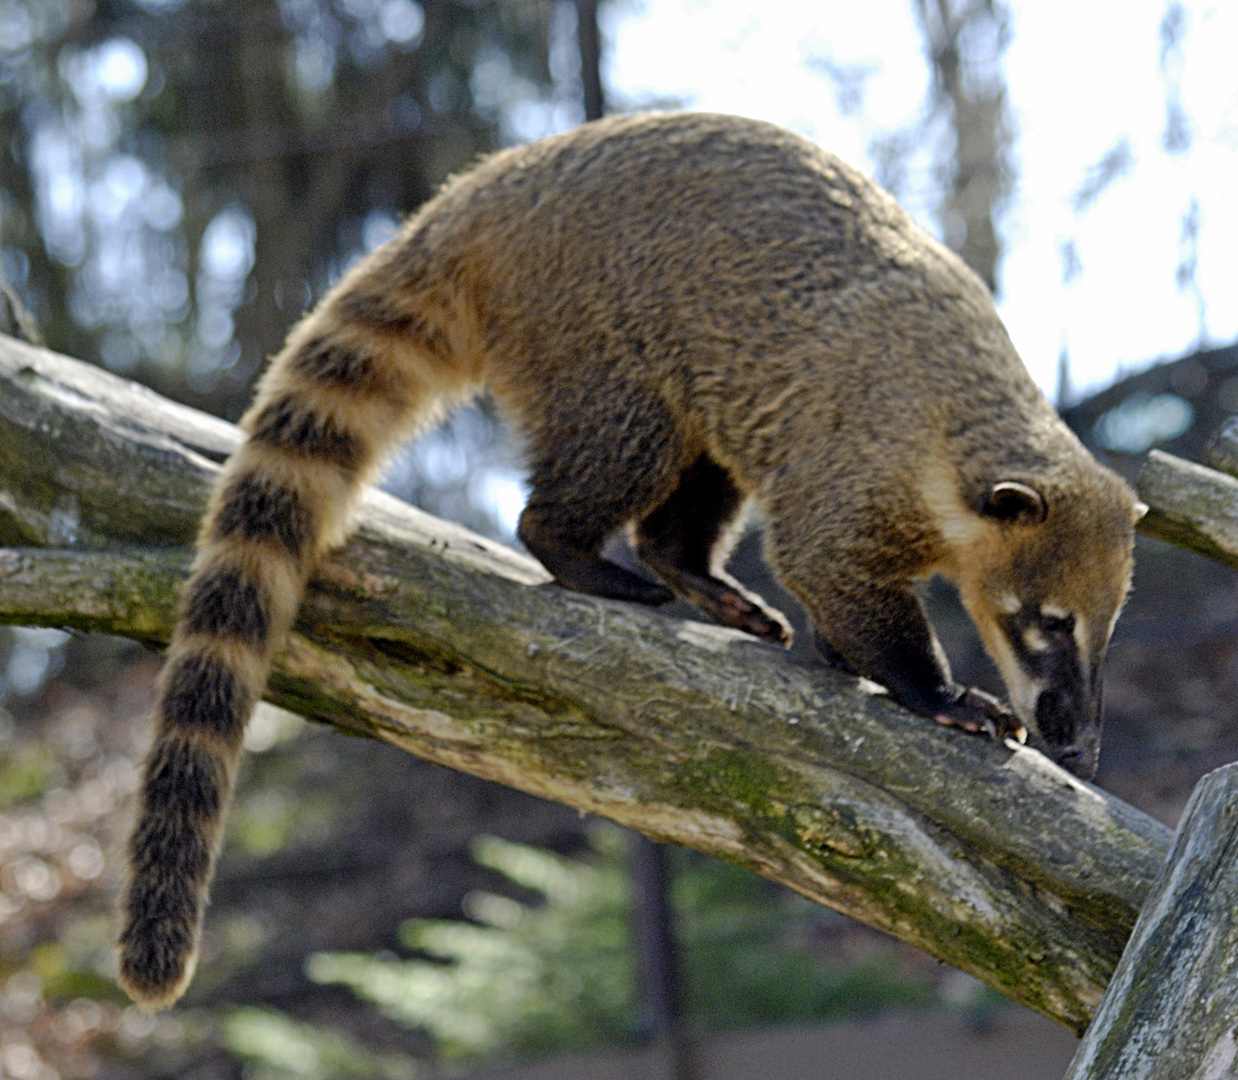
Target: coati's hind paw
975, 711
733, 609
725, 603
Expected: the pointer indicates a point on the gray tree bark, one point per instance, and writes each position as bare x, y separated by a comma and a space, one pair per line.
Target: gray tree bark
1222, 452
1190, 505
1171, 1011
457, 649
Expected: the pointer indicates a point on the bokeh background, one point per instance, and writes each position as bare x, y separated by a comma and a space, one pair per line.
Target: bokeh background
181, 178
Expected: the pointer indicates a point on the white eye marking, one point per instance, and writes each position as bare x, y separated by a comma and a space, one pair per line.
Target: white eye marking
1009, 603
1052, 611
960, 526
1034, 639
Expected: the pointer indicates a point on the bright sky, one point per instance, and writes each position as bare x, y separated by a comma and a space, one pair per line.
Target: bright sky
1083, 75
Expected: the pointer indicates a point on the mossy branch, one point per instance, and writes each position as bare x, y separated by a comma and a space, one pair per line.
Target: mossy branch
456, 649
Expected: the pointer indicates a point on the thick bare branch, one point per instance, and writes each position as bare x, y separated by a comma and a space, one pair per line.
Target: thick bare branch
1222, 452
1169, 1012
1190, 505
455, 649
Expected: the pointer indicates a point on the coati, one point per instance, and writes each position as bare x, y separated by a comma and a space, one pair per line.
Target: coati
678, 314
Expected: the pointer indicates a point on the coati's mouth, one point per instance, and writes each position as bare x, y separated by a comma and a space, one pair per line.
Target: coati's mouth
1073, 744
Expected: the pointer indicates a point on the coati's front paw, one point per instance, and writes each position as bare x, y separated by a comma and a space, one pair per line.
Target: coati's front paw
975, 711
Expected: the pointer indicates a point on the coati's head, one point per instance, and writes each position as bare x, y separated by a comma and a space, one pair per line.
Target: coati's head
1043, 578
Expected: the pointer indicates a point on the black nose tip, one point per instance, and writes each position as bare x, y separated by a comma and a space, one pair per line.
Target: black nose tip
1076, 759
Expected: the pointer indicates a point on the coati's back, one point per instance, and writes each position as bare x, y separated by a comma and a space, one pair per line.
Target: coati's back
677, 313
739, 270
707, 250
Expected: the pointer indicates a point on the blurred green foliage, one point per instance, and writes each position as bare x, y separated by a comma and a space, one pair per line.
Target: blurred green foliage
180, 179
521, 979
25, 773
275, 1048
537, 978
748, 956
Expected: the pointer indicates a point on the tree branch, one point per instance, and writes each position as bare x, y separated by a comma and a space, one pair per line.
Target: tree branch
454, 648
1190, 505
1169, 1012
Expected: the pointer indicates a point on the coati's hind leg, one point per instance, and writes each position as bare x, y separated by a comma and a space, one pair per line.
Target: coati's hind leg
589, 479
683, 541
570, 551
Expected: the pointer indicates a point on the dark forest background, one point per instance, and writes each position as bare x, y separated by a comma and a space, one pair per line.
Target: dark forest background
179, 180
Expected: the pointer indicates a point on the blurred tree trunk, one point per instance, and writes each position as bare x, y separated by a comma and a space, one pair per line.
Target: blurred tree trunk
965, 40
589, 37
262, 162
660, 969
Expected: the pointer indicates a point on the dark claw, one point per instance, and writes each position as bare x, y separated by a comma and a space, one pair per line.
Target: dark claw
975, 711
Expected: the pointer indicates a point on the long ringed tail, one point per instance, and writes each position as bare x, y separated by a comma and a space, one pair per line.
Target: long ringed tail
355, 376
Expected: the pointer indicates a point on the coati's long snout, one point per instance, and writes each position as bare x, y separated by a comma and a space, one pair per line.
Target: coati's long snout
1075, 725
1065, 720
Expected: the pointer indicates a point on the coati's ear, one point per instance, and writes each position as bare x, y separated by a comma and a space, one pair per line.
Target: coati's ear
1008, 500
1138, 511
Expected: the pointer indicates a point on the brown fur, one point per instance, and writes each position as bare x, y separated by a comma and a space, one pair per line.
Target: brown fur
678, 314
